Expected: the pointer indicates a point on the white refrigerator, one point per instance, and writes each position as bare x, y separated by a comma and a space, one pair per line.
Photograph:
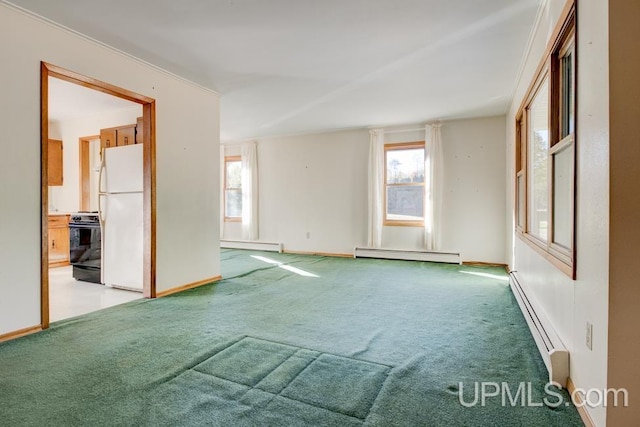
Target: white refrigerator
121, 189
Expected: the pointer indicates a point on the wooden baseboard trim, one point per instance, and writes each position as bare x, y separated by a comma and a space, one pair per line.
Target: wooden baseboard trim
188, 286
318, 254
586, 418
20, 333
485, 264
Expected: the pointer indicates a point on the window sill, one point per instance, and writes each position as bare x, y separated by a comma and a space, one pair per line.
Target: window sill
233, 219
560, 261
403, 223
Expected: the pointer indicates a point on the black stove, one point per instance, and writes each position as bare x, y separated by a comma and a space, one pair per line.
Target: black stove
85, 246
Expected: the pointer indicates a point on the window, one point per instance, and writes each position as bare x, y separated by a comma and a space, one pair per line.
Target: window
404, 184
563, 151
545, 153
538, 162
233, 188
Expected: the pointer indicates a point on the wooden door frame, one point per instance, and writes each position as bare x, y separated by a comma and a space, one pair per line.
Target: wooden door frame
85, 170
149, 176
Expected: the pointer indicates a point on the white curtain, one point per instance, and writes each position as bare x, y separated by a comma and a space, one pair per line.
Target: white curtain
222, 190
249, 191
376, 187
433, 171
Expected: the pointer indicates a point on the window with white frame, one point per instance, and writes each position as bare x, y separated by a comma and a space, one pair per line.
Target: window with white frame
404, 184
233, 188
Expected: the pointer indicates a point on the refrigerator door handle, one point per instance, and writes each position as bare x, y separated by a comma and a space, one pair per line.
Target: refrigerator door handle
101, 194
100, 210
101, 172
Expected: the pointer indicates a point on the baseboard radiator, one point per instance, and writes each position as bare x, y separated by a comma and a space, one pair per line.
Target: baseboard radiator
409, 255
251, 245
553, 352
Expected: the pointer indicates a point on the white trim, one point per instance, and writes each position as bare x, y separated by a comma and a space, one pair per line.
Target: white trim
408, 255
554, 354
251, 245
527, 51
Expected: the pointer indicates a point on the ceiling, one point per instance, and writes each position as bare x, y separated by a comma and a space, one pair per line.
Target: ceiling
71, 101
296, 66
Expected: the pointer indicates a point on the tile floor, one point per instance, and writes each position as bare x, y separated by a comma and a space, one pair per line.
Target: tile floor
69, 297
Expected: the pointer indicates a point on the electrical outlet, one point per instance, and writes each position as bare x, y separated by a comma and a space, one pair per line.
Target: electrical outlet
308, 235
589, 337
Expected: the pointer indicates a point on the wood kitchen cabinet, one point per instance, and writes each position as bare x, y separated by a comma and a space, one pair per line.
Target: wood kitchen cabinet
126, 135
107, 138
54, 157
58, 240
118, 136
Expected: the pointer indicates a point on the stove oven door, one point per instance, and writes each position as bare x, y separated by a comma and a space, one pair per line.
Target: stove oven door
84, 251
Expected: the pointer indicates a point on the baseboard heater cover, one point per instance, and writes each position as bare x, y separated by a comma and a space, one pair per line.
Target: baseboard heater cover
408, 255
251, 245
552, 350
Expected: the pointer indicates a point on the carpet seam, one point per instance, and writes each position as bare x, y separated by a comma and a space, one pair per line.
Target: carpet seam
283, 362
194, 365
297, 375
377, 395
248, 273
279, 394
322, 407
248, 385
323, 352
206, 374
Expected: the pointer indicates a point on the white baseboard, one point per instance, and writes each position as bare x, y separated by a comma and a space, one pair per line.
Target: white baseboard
552, 350
251, 245
409, 255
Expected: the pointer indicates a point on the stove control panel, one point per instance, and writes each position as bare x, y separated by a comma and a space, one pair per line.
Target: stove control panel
85, 218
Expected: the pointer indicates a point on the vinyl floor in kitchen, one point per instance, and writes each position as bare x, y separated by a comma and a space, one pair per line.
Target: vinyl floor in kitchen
69, 297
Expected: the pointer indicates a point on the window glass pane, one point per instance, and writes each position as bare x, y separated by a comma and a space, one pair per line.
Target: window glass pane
405, 166
234, 174
538, 140
521, 201
233, 203
567, 119
405, 202
563, 197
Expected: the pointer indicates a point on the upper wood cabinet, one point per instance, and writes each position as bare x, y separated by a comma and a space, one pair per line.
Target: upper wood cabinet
119, 136
108, 138
126, 135
54, 176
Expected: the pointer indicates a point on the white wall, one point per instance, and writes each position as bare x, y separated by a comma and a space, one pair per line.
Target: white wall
66, 198
475, 190
314, 184
570, 304
317, 184
186, 160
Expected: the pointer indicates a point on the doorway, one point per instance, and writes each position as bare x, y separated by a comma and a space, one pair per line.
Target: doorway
148, 196
89, 156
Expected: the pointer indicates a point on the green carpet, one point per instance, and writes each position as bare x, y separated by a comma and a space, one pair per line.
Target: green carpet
289, 340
